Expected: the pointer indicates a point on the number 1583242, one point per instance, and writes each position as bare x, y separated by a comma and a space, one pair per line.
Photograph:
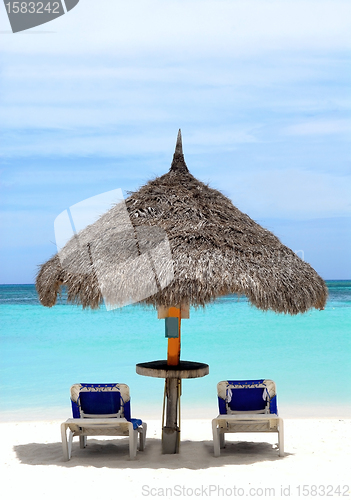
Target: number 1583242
33, 7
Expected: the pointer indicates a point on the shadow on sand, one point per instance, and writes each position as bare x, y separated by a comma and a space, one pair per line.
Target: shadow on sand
114, 453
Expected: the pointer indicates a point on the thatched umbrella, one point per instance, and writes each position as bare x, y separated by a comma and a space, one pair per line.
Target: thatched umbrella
197, 236
216, 250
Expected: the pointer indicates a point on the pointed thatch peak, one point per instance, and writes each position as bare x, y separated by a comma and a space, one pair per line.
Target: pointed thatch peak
178, 163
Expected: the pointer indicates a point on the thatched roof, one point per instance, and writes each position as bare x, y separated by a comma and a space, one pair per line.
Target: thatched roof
216, 250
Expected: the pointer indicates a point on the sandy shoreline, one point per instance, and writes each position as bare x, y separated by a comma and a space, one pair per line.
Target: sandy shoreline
317, 455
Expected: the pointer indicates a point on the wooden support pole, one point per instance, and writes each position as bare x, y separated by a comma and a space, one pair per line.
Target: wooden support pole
171, 431
171, 407
173, 353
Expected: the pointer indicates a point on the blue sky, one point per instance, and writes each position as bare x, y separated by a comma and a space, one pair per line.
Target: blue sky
261, 90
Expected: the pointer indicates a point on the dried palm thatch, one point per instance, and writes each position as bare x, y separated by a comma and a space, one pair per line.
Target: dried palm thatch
215, 250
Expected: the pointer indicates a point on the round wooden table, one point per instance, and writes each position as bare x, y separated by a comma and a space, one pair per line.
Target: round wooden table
173, 376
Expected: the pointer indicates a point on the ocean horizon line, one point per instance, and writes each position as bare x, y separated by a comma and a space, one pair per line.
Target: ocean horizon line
33, 284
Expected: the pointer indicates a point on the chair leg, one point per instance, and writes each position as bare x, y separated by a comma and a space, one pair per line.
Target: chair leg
133, 442
70, 441
281, 437
82, 441
142, 436
221, 439
216, 439
66, 455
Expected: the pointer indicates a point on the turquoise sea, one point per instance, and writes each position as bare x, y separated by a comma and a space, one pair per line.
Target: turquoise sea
44, 351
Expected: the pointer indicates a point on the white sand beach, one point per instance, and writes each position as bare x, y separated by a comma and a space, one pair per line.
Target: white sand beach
316, 463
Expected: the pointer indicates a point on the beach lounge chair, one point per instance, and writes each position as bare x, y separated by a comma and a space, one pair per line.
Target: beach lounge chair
246, 406
102, 410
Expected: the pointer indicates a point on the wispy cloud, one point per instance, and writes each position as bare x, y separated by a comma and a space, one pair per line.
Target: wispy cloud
293, 193
113, 142
183, 27
322, 127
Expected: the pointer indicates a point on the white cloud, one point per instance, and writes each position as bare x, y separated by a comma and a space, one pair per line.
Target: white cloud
143, 140
291, 193
184, 27
321, 127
